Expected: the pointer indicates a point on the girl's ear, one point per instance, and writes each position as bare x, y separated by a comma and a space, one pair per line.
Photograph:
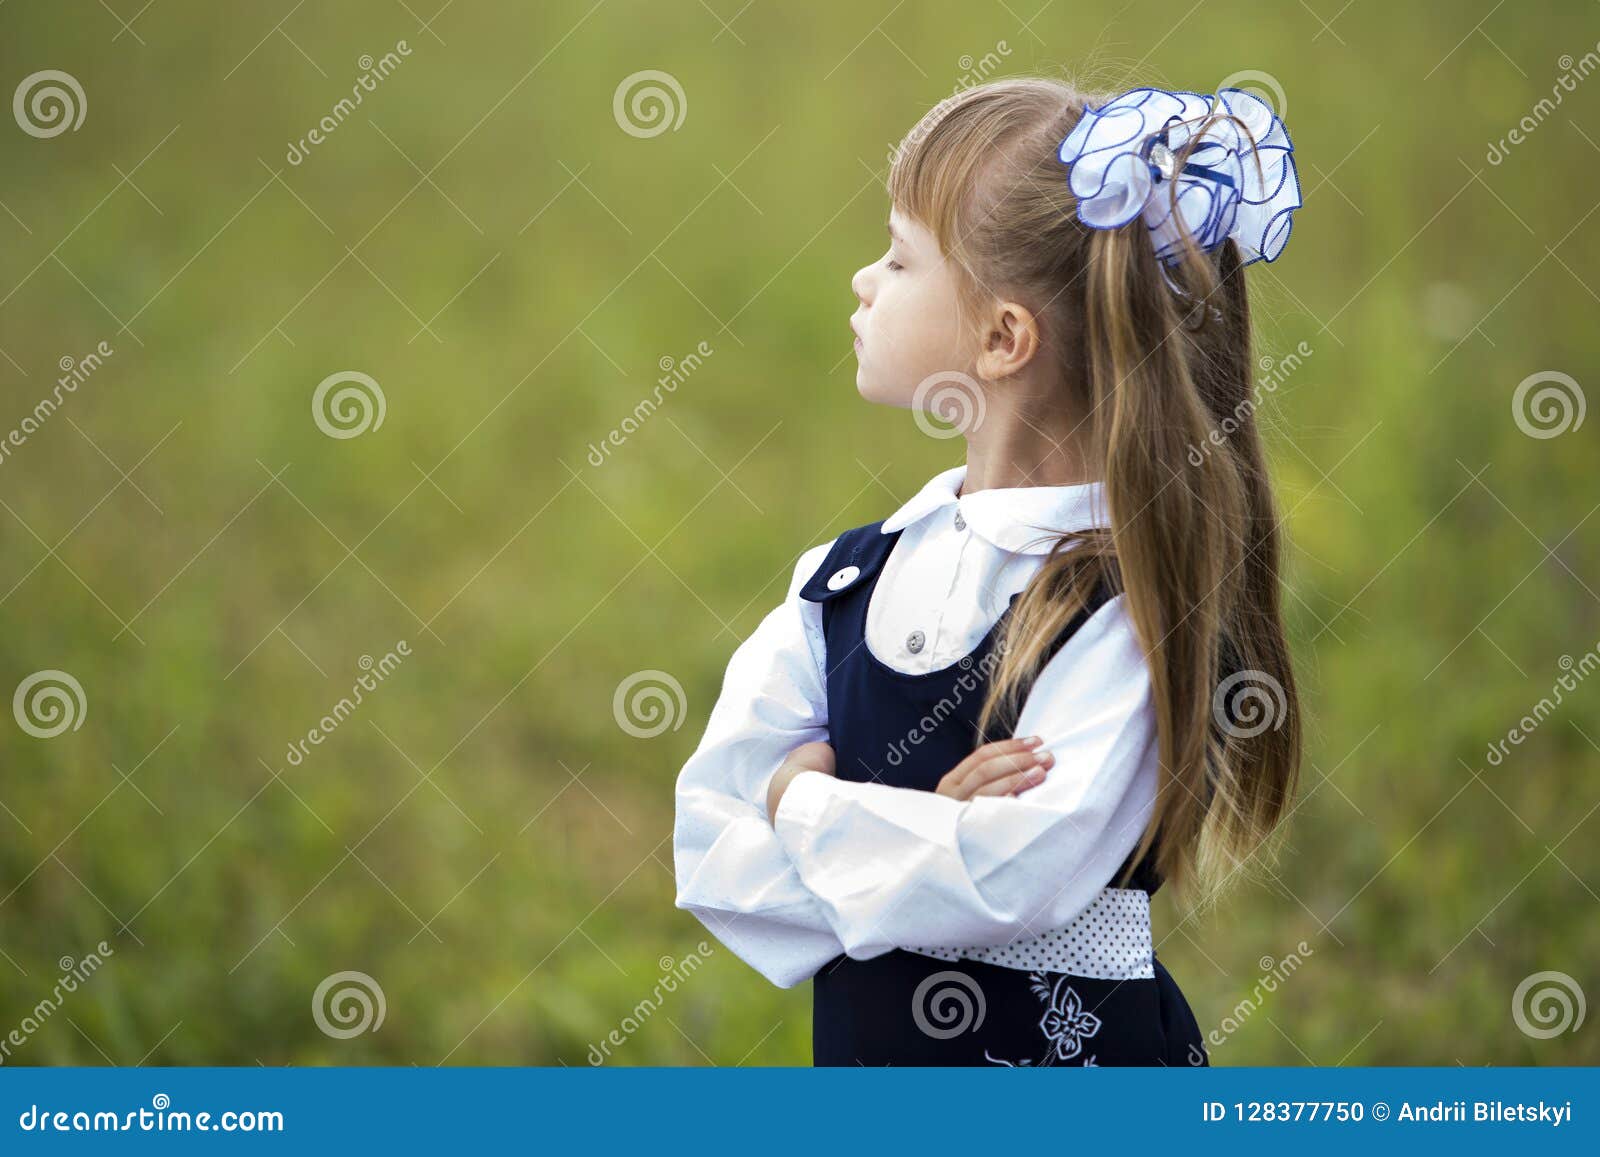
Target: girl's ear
1010, 341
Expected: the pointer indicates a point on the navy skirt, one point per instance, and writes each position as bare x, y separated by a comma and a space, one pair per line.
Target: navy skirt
904, 1008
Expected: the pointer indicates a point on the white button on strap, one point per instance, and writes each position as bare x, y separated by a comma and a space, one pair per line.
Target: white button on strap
843, 578
914, 641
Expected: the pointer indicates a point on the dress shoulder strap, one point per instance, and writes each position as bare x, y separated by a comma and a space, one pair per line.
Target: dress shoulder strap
856, 556
1098, 597
1006, 718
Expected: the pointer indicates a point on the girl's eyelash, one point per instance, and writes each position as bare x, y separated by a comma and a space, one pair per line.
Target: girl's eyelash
893, 264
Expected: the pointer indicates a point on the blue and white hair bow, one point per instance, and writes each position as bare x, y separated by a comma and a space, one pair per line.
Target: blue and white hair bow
1239, 180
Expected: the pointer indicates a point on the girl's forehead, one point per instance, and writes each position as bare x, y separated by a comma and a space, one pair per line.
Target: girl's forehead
904, 227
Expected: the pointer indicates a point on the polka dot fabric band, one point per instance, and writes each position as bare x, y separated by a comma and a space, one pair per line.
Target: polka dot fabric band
1110, 940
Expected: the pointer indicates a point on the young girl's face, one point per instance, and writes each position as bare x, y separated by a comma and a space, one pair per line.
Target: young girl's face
907, 328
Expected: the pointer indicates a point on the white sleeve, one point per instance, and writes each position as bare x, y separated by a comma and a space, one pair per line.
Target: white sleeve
731, 870
897, 866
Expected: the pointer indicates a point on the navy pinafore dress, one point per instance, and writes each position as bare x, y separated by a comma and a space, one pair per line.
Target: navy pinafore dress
908, 1008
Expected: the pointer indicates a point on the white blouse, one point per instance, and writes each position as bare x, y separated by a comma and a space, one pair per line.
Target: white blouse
864, 868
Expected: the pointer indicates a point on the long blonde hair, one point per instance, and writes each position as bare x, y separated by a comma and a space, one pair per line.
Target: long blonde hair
1155, 369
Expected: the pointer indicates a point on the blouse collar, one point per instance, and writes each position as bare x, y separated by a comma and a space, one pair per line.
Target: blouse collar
1020, 519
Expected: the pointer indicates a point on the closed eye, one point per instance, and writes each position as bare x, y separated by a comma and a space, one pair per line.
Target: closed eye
893, 264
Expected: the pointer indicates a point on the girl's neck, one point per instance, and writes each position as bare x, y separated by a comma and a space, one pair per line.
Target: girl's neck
1005, 452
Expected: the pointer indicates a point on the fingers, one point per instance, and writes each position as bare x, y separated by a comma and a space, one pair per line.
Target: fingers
999, 768
1014, 784
991, 750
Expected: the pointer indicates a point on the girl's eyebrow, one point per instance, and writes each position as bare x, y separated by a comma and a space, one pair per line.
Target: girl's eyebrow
894, 236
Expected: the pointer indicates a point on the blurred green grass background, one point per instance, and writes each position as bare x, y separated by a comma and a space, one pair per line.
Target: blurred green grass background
484, 240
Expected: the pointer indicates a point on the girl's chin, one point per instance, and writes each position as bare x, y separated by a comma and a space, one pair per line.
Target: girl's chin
865, 388
878, 395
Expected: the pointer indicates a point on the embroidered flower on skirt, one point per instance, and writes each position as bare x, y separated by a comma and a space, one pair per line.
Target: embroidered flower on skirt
1066, 1024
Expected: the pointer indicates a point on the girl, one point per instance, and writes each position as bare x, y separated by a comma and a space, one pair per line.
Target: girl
944, 778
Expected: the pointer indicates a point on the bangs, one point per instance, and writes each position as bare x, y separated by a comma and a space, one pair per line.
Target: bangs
961, 158
930, 174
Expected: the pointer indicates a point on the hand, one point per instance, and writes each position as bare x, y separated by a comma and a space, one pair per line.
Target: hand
1005, 767
807, 757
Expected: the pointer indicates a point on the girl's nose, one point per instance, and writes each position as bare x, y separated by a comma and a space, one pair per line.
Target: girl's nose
861, 284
